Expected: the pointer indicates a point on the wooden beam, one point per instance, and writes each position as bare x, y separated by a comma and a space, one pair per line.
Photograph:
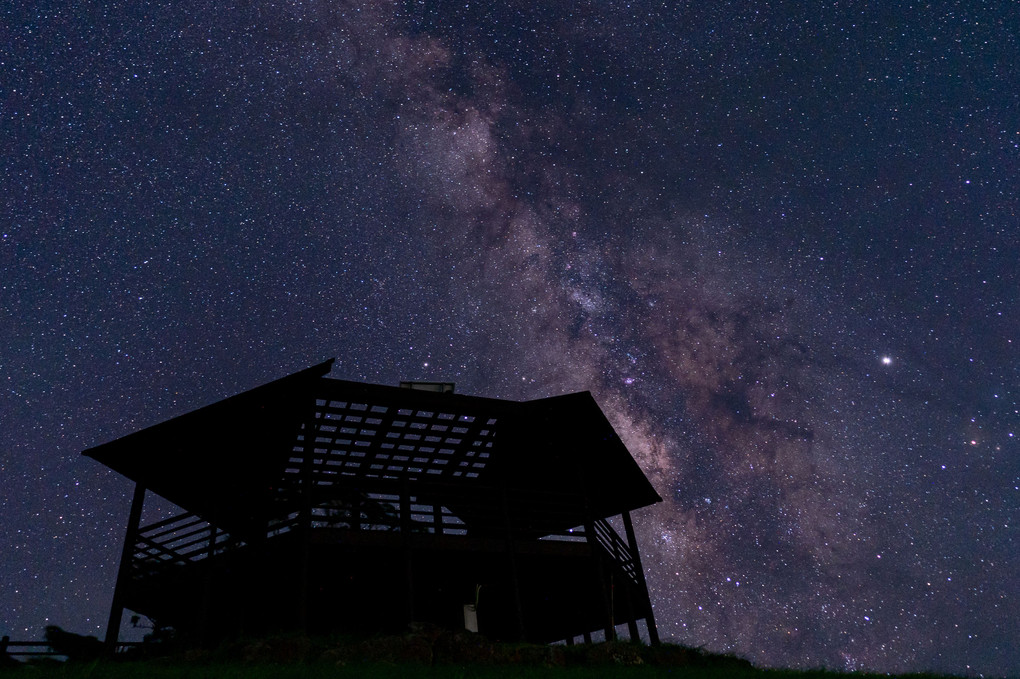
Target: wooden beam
600, 576
124, 571
653, 632
511, 549
305, 487
207, 587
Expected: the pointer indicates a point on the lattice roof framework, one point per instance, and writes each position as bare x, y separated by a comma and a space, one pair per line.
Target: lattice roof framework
553, 463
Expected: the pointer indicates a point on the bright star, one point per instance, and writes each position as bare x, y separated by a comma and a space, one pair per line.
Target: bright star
886, 360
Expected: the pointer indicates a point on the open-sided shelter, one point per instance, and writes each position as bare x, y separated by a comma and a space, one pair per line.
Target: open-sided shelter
318, 504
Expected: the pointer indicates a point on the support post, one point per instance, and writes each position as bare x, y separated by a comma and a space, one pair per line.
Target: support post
204, 632
511, 549
437, 517
632, 627
306, 486
405, 540
355, 522
595, 554
653, 632
600, 574
124, 571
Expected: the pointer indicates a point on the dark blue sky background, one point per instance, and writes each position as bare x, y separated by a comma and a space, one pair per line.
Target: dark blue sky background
778, 242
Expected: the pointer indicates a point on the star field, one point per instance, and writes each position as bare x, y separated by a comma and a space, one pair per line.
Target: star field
777, 243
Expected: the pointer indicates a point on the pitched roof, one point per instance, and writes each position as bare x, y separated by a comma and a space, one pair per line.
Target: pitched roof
550, 463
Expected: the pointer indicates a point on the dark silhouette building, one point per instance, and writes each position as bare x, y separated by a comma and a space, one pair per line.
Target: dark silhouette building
318, 504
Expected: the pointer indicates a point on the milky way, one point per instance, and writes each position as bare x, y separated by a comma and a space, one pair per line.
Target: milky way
778, 247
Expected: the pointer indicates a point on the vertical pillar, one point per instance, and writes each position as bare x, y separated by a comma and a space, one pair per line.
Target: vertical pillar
405, 539
653, 632
124, 571
354, 522
511, 549
600, 574
306, 486
595, 554
628, 589
252, 607
437, 517
207, 587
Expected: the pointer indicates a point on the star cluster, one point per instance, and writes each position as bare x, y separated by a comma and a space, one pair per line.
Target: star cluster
778, 244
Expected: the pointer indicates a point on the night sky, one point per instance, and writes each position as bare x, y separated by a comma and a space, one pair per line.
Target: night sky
777, 241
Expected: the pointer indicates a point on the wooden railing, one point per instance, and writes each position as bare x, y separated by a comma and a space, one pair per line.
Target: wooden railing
29, 649
25, 648
186, 538
177, 541
614, 545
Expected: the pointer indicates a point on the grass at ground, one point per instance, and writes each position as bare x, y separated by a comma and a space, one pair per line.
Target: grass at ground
317, 670
425, 653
